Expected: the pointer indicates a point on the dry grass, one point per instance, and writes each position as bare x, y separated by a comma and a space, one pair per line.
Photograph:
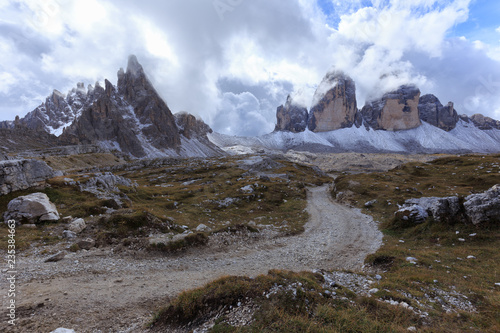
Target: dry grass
443, 262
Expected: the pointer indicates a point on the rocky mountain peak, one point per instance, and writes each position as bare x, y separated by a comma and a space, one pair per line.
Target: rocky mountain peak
433, 112
291, 117
334, 103
395, 110
134, 67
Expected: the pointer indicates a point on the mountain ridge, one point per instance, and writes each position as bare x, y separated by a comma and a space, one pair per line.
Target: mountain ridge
130, 117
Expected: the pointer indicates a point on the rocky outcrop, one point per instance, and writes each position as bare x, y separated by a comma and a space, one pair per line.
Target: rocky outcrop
105, 186
291, 117
484, 207
334, 103
190, 127
58, 110
485, 123
131, 116
440, 209
476, 208
22, 174
433, 112
397, 110
32, 208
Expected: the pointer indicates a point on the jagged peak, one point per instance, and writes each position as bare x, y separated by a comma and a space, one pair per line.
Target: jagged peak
57, 93
133, 66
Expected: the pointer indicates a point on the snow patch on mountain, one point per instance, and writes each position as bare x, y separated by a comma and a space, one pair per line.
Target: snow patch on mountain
423, 139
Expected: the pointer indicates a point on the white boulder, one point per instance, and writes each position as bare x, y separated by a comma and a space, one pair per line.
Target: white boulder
32, 208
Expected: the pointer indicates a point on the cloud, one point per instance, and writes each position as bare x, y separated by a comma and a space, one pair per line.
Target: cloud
241, 114
234, 62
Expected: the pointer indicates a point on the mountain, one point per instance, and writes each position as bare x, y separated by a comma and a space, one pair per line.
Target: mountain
334, 103
130, 117
399, 121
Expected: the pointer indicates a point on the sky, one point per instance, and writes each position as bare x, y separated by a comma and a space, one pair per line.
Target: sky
233, 62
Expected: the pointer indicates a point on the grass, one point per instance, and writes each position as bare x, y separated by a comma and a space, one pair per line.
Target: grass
211, 192
448, 271
184, 193
443, 262
303, 307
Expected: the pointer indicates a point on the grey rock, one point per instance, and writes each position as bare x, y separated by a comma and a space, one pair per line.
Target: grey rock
63, 330
483, 122
57, 257
291, 117
203, 228
32, 208
22, 174
67, 219
370, 203
483, 207
441, 209
77, 226
412, 213
69, 234
86, 244
433, 112
105, 186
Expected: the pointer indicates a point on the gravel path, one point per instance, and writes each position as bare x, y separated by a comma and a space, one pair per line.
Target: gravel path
98, 291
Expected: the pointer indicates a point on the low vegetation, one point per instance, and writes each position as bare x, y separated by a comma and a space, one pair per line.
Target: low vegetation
178, 196
444, 273
283, 302
451, 257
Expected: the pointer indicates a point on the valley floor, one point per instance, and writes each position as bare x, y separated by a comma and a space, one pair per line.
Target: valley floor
103, 291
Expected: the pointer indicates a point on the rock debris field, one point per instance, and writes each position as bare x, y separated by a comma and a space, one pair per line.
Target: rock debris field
103, 291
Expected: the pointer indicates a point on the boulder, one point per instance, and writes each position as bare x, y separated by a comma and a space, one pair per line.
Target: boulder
86, 244
77, 226
397, 110
412, 213
32, 208
291, 117
69, 234
483, 207
334, 103
433, 112
203, 228
18, 175
63, 330
441, 209
57, 257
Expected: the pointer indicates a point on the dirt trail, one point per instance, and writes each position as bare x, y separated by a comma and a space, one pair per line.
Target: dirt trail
101, 292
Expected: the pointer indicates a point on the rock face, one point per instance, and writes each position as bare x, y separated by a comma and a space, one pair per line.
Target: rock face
477, 208
291, 117
397, 110
485, 123
433, 112
32, 208
131, 116
190, 127
22, 174
58, 111
334, 103
484, 207
440, 209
